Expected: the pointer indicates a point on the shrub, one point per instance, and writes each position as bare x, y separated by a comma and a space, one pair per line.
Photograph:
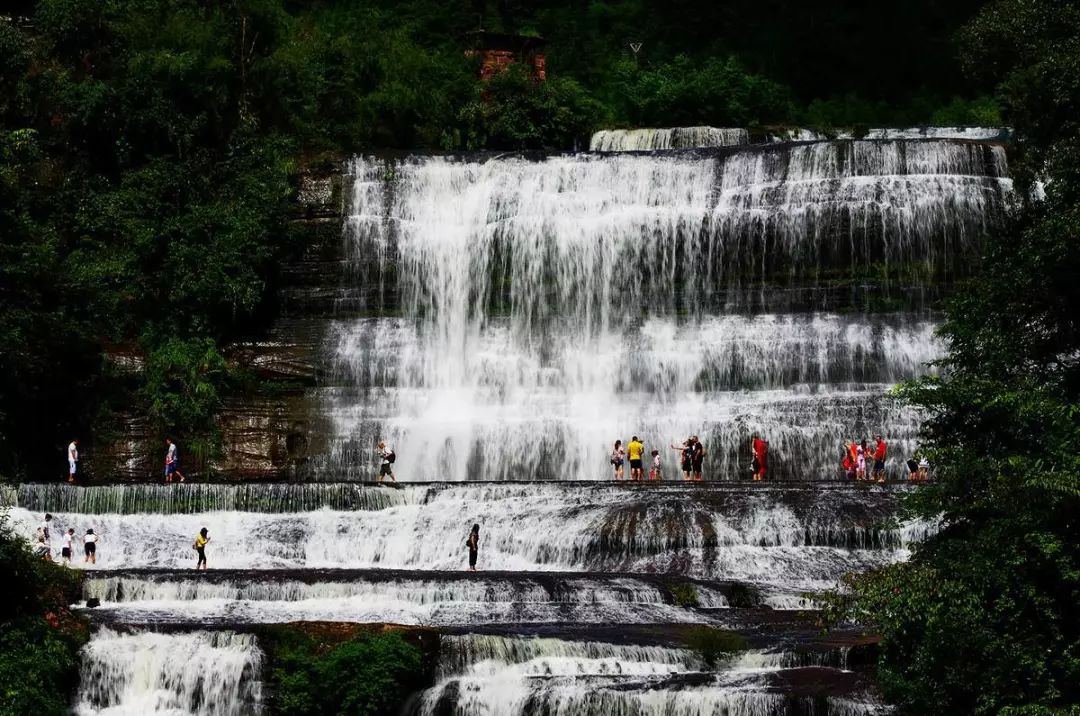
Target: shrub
715, 644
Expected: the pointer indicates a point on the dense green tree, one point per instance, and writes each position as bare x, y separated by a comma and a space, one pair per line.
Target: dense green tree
982, 618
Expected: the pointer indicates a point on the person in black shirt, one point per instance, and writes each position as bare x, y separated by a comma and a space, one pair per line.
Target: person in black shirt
473, 543
697, 456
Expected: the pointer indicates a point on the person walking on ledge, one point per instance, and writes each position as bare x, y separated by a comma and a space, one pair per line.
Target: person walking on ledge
473, 543
66, 550
172, 462
386, 466
73, 459
200, 546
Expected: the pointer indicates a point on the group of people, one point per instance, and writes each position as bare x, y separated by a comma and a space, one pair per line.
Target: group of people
863, 463
858, 457
691, 459
172, 461
43, 548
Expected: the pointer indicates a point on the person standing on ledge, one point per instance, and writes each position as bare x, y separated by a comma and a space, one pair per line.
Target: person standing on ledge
880, 451
201, 540
685, 458
66, 550
618, 460
697, 457
73, 459
634, 451
473, 543
761, 456
172, 462
386, 467
90, 547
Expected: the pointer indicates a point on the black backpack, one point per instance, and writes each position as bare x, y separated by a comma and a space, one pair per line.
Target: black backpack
391, 457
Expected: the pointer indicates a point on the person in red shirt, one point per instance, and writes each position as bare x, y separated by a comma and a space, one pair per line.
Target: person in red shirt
761, 454
880, 450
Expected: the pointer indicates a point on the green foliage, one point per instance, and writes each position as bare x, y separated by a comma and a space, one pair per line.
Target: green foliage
513, 111
683, 92
714, 644
39, 638
368, 674
684, 595
982, 619
184, 381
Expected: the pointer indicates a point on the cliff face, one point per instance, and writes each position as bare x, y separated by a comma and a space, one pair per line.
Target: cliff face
270, 430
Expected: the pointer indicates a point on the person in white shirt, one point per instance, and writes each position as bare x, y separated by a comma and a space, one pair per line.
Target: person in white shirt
73, 459
43, 528
172, 462
65, 550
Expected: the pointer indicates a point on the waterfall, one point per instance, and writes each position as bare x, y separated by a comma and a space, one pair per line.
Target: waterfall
499, 675
533, 311
198, 673
435, 600
629, 140
796, 539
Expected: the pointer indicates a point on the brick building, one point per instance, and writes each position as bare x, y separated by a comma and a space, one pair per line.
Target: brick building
499, 51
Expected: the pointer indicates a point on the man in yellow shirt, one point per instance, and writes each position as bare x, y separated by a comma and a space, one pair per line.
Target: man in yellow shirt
634, 451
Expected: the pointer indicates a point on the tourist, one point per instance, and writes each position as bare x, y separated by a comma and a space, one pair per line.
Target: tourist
913, 469
635, 450
697, 457
847, 464
43, 528
880, 450
924, 470
388, 457
685, 458
618, 457
73, 459
473, 543
172, 462
90, 541
761, 456
657, 471
65, 550
42, 549
200, 546
860, 462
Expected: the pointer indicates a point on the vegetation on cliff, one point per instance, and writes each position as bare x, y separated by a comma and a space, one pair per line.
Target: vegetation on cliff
39, 637
982, 619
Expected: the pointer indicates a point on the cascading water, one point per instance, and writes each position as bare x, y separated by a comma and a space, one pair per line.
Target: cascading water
789, 539
482, 675
198, 673
550, 307
503, 320
629, 140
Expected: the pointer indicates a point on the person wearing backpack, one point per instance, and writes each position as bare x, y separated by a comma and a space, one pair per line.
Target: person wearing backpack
473, 543
388, 458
